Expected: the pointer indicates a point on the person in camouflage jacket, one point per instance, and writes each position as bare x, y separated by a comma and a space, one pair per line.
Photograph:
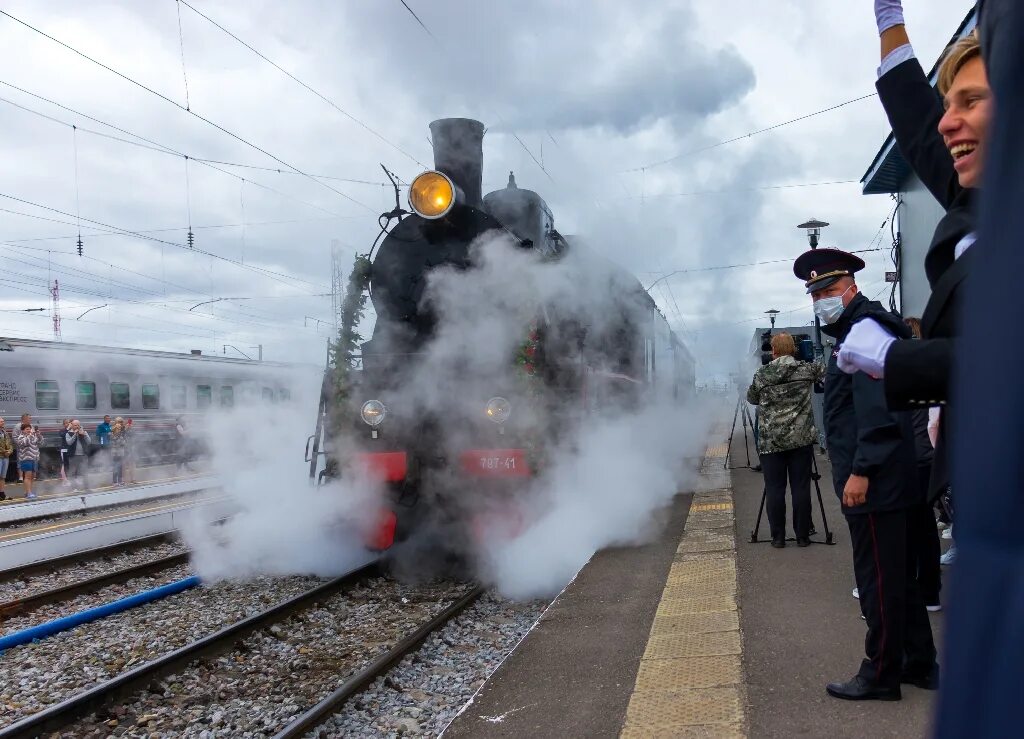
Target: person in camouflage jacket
782, 390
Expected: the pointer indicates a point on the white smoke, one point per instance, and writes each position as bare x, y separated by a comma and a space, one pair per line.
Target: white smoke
605, 483
607, 477
283, 524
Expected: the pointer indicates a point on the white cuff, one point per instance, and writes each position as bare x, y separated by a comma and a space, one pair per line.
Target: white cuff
895, 58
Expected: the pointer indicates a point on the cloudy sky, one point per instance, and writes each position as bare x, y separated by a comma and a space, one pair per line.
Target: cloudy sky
610, 110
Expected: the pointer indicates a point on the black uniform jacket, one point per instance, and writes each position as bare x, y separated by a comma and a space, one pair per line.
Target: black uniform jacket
918, 373
864, 436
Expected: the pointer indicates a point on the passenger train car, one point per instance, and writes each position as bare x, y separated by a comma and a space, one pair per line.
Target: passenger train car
56, 380
444, 437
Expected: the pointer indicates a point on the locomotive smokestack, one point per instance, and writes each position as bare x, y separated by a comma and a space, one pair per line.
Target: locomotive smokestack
459, 153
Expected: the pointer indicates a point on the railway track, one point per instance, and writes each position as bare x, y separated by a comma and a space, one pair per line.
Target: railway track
109, 550
23, 604
100, 703
64, 713
365, 677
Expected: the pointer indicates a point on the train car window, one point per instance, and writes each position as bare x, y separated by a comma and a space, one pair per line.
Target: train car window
204, 396
178, 401
120, 395
227, 396
47, 395
285, 394
85, 396
151, 397
268, 395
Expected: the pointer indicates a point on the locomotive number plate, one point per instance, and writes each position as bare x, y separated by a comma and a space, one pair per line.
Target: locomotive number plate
498, 463
495, 463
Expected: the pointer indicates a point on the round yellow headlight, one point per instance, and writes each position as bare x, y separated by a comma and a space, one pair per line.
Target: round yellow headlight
432, 195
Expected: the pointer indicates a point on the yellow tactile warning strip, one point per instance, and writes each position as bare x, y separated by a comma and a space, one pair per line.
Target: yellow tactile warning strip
718, 451
690, 682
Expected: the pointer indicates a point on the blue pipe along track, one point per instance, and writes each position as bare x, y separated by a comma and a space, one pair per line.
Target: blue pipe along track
77, 619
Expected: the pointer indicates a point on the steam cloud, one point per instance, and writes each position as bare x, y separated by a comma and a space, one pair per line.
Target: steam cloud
606, 479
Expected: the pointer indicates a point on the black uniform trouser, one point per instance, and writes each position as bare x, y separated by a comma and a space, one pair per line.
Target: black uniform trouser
925, 548
776, 466
899, 637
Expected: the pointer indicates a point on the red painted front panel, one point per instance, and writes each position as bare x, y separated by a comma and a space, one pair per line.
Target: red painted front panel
495, 463
384, 466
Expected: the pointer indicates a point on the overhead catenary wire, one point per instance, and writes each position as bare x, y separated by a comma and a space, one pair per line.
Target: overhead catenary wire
269, 273
514, 135
785, 186
78, 206
736, 266
181, 45
181, 107
766, 129
291, 76
157, 146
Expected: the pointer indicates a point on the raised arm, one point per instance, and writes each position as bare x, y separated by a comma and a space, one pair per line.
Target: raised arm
913, 106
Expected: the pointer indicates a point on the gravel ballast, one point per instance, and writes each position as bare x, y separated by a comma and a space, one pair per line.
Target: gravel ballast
424, 692
35, 675
277, 673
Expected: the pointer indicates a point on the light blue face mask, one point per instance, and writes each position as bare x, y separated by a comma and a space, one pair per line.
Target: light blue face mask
829, 309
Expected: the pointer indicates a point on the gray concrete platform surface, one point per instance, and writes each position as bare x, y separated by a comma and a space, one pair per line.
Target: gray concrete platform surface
574, 674
802, 628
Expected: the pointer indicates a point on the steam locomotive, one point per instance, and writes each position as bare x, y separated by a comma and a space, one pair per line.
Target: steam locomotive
470, 386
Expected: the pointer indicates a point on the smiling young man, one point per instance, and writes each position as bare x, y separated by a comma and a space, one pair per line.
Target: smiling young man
943, 137
873, 472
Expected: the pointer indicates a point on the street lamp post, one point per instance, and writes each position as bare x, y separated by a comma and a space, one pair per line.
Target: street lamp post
771, 316
813, 228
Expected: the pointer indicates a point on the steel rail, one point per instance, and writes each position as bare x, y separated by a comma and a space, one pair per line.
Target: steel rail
56, 717
64, 559
65, 592
360, 680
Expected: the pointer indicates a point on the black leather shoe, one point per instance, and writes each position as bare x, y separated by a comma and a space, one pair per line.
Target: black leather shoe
803, 541
812, 531
778, 543
928, 680
861, 689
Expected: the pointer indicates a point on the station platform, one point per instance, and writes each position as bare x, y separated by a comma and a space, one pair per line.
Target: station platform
99, 479
700, 633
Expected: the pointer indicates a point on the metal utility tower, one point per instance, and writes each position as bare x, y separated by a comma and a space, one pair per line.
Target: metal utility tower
337, 284
55, 295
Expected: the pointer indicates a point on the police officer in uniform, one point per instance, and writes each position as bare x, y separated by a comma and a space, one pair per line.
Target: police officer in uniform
873, 472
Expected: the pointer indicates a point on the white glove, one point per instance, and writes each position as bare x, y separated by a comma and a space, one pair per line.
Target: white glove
888, 13
864, 349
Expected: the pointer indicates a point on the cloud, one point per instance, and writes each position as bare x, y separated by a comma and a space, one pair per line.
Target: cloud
591, 89
539, 66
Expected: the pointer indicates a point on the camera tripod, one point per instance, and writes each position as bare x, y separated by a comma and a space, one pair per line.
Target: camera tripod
815, 476
741, 408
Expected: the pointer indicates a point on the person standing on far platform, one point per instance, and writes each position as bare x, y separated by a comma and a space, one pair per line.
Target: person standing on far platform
25, 418
27, 441
77, 439
873, 471
782, 391
6, 451
64, 451
118, 450
129, 453
103, 431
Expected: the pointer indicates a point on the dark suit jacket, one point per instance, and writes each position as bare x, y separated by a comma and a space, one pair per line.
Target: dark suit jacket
917, 373
981, 685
